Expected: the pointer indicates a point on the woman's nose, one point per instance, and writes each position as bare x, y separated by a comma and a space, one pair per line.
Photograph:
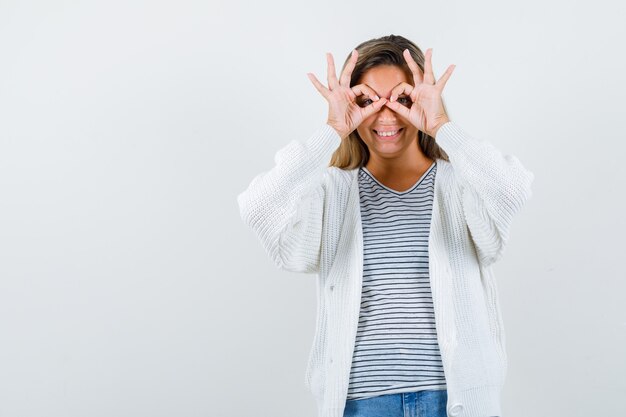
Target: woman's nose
386, 112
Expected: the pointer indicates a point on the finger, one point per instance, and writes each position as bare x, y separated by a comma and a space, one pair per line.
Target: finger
418, 77
399, 108
445, 77
402, 88
347, 72
366, 90
318, 85
332, 74
429, 77
374, 107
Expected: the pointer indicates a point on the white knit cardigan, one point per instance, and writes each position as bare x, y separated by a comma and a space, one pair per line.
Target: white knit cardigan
307, 217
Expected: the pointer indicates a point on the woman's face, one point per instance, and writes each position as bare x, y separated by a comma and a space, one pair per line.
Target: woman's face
382, 80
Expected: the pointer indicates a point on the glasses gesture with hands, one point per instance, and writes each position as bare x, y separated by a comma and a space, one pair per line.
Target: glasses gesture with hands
427, 111
344, 114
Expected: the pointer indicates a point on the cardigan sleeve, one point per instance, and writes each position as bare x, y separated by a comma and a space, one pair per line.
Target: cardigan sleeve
495, 187
284, 206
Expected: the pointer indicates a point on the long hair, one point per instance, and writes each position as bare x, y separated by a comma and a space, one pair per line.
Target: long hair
353, 152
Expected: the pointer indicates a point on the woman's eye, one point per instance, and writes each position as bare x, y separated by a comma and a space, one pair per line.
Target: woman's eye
402, 100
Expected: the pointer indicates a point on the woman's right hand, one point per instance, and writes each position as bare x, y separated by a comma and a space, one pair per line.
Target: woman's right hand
344, 114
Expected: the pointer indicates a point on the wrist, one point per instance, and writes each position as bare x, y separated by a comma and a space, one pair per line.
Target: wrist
438, 125
340, 132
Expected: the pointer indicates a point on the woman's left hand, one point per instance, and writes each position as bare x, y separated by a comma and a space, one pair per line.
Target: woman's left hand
427, 111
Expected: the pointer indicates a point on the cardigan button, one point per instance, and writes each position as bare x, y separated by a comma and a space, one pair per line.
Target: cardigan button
456, 409
332, 287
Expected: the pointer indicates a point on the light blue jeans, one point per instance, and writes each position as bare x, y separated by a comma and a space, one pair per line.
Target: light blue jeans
424, 403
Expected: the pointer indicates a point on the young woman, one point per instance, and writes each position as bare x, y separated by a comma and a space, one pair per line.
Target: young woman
401, 228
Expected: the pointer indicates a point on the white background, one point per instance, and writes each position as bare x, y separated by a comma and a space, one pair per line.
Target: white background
129, 286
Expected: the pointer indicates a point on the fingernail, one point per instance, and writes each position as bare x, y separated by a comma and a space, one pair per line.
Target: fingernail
393, 98
376, 98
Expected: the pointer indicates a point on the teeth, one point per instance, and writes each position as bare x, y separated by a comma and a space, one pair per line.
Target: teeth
391, 133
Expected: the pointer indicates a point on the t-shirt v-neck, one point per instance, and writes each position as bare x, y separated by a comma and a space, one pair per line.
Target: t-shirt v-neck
396, 191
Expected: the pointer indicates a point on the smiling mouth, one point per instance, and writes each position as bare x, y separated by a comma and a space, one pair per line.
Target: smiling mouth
387, 136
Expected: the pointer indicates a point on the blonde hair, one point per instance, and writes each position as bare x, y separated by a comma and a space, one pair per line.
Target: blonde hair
353, 152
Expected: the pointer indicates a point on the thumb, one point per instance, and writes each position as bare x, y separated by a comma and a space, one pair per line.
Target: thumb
374, 107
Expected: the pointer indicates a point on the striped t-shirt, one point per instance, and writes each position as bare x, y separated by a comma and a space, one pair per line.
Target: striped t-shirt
396, 346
